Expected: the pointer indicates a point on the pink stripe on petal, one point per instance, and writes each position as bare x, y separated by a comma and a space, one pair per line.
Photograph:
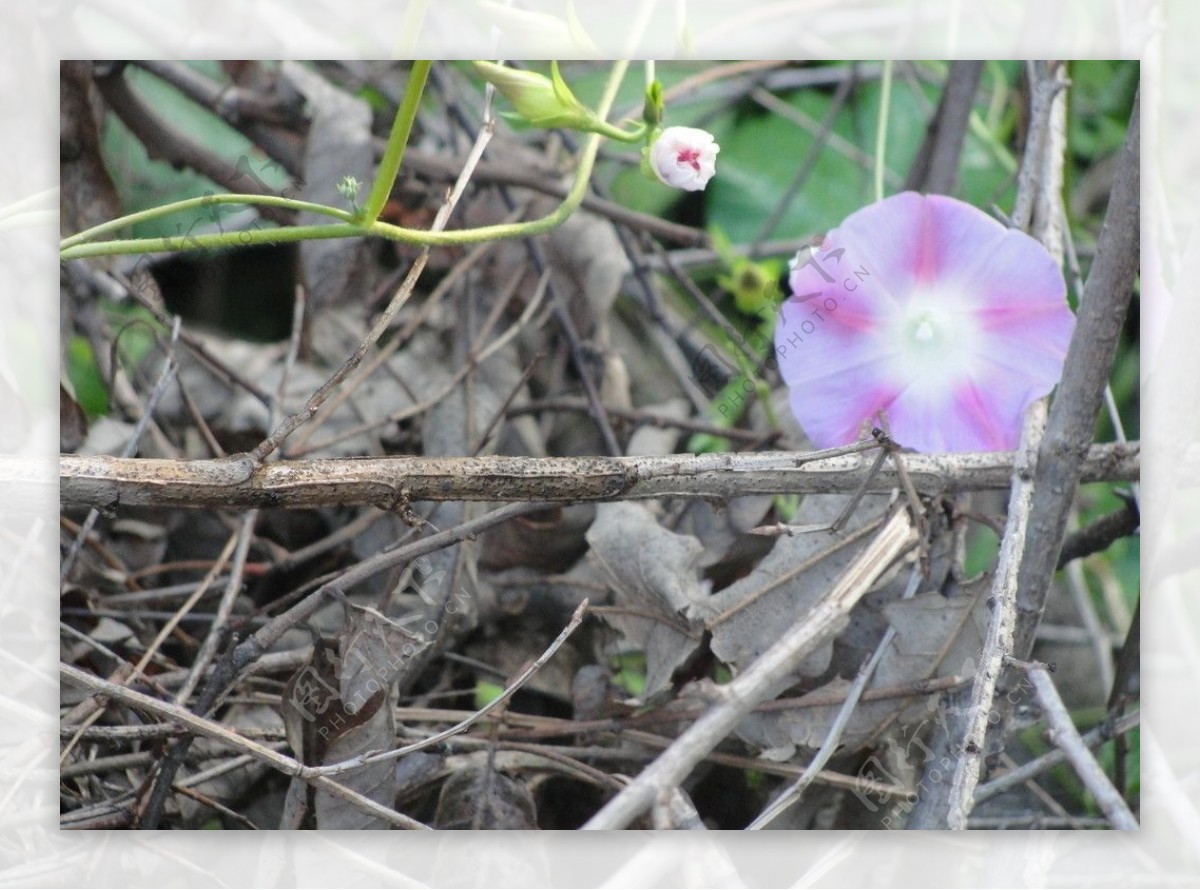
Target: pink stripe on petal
982, 415
998, 316
925, 262
885, 237
965, 236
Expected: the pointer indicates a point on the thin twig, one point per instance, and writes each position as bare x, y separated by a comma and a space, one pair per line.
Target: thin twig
546, 182
1046, 88
483, 354
1064, 734
160, 387
125, 288
833, 738
200, 725
289, 425
809, 163
227, 669
1097, 635
1017, 776
233, 587
368, 758
207, 801
636, 416
838, 143
999, 640
137, 671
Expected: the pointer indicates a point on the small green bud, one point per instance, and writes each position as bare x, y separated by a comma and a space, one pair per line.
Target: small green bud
348, 188
652, 107
540, 100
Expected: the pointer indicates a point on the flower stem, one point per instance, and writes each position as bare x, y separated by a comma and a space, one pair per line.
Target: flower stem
68, 245
397, 141
885, 101
76, 246
617, 134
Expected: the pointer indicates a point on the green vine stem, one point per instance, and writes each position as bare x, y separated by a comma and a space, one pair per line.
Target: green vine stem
82, 245
637, 134
885, 101
397, 141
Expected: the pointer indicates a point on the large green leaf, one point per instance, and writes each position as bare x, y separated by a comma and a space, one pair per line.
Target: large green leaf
762, 156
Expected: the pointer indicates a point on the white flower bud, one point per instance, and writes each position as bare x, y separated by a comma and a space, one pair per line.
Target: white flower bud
684, 158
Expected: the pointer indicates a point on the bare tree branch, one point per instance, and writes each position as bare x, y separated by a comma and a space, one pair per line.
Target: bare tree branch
109, 482
1080, 395
935, 168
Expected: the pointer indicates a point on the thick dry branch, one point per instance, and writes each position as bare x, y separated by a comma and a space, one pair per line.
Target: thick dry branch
1089, 362
109, 482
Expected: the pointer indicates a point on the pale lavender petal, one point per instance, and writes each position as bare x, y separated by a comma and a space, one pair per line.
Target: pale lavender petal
834, 374
921, 419
880, 240
1015, 276
837, 413
994, 415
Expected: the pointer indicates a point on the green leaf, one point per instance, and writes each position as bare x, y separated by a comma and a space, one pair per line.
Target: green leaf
630, 672
486, 693
758, 160
84, 374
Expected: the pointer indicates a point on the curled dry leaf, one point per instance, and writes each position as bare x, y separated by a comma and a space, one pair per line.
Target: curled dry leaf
936, 636
655, 576
338, 706
485, 799
751, 614
587, 265
718, 527
229, 787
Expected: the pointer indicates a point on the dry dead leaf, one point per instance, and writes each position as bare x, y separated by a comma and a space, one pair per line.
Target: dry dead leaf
340, 706
485, 799
750, 615
935, 636
655, 576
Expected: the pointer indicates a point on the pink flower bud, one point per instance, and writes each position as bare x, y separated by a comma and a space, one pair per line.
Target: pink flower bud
684, 158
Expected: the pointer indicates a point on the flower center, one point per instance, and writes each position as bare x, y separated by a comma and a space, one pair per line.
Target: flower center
935, 343
922, 330
689, 157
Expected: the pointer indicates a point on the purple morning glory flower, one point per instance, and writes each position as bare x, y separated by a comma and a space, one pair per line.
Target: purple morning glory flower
930, 312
